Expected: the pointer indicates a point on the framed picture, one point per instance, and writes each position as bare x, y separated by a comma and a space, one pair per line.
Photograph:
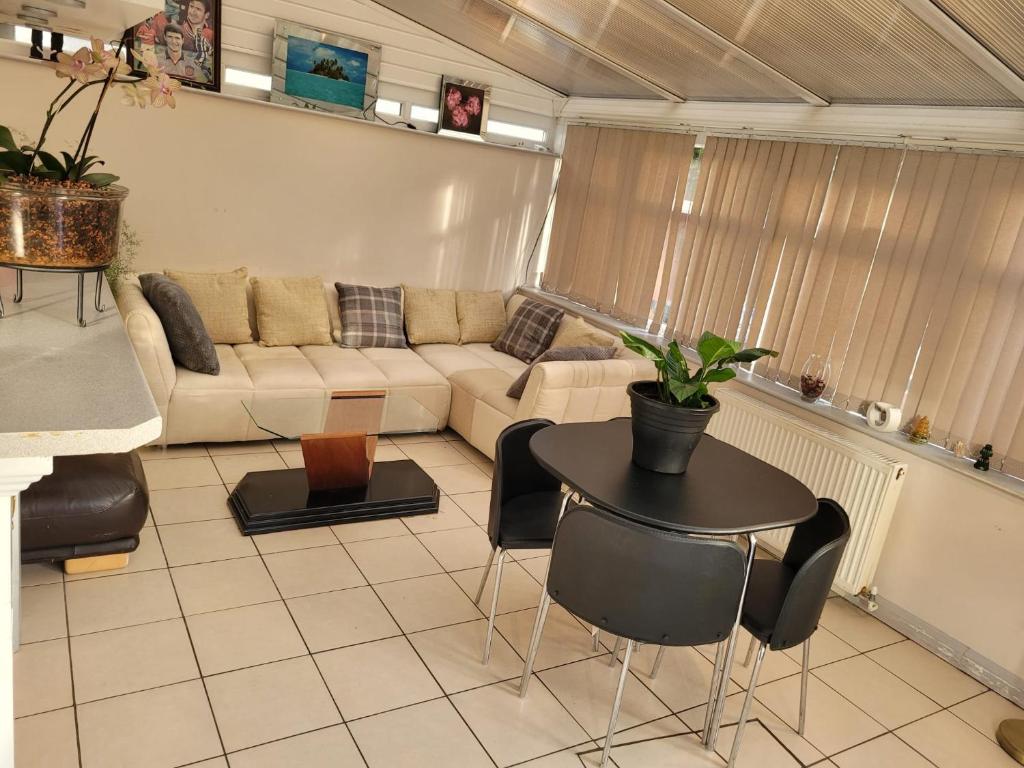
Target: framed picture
464, 106
186, 39
321, 70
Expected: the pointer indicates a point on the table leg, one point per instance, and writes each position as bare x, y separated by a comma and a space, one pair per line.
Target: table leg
711, 733
19, 286
98, 300
81, 299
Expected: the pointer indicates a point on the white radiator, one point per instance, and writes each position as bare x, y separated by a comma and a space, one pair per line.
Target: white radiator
865, 483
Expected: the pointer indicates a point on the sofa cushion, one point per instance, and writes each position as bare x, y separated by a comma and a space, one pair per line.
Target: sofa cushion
187, 338
530, 331
430, 316
221, 301
577, 332
233, 375
278, 368
343, 369
479, 382
481, 315
517, 388
403, 367
496, 359
371, 317
291, 311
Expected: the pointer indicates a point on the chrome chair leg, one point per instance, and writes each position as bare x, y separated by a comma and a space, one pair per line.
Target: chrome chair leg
494, 606
538, 630
750, 651
595, 639
713, 693
483, 578
745, 712
615, 652
616, 704
657, 662
803, 686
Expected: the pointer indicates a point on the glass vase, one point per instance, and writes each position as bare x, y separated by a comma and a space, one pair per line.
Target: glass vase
814, 377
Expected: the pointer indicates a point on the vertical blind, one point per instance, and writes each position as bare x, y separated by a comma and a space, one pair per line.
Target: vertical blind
905, 268
617, 194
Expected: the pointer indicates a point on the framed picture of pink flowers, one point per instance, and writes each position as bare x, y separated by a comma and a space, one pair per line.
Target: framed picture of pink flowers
463, 106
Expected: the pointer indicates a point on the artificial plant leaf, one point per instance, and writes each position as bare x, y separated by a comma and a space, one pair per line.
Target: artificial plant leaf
69, 160
754, 353
7, 139
720, 374
15, 161
712, 348
51, 163
676, 354
99, 179
642, 348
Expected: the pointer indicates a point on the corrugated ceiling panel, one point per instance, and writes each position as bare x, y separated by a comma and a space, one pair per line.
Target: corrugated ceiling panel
520, 45
998, 24
857, 51
646, 37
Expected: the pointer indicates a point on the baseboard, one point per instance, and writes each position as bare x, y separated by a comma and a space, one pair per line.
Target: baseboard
967, 660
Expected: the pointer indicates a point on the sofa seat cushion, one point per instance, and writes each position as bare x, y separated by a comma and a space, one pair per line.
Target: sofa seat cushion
497, 359
481, 381
233, 375
403, 367
278, 368
449, 359
343, 368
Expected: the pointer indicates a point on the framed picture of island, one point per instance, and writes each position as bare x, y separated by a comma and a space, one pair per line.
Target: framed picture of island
321, 70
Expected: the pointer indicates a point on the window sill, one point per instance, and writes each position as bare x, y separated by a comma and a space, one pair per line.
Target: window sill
1005, 483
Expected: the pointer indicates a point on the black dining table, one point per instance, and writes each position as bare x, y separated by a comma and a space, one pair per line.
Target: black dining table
725, 491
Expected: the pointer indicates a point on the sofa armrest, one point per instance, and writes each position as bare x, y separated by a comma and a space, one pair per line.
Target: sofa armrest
569, 391
147, 337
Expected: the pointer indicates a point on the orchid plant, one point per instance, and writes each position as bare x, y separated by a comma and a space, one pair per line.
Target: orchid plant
99, 65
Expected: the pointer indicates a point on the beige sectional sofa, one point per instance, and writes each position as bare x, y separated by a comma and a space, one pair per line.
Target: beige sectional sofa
429, 386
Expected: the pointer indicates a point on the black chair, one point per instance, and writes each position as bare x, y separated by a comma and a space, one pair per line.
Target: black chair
525, 504
785, 598
640, 583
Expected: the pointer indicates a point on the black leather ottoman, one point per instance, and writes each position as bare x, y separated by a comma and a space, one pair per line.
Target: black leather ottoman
91, 507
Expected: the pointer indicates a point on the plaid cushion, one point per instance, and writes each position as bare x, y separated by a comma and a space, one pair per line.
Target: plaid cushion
370, 317
560, 353
530, 330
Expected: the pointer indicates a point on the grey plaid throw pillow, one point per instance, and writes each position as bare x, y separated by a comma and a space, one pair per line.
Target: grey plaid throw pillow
559, 353
530, 330
190, 344
371, 317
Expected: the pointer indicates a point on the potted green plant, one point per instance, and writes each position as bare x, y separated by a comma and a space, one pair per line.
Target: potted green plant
59, 211
671, 413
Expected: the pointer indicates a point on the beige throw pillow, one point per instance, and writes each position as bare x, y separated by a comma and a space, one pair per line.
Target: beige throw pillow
221, 302
291, 311
430, 316
577, 332
481, 315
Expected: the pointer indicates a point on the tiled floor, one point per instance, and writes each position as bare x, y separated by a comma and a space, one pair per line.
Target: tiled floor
359, 645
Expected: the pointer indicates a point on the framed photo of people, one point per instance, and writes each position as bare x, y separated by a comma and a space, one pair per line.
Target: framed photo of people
185, 36
321, 70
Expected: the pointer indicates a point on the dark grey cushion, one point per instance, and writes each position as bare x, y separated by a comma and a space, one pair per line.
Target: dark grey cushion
559, 353
530, 330
190, 344
371, 317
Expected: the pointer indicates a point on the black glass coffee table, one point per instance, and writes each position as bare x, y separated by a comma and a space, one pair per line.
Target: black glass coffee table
282, 500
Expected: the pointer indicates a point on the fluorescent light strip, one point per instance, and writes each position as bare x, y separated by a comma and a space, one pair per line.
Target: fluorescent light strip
388, 107
516, 131
247, 79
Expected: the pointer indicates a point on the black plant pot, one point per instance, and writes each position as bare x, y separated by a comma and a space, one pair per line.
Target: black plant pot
664, 435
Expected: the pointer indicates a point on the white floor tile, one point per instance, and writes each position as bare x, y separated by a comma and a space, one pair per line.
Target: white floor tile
856, 627
336, 619
935, 678
427, 602
950, 743
453, 654
120, 601
327, 748
46, 740
986, 711
227, 584
877, 691
42, 677
307, 571
398, 557
243, 637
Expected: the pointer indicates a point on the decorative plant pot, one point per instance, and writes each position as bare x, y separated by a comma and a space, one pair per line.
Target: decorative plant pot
49, 225
664, 435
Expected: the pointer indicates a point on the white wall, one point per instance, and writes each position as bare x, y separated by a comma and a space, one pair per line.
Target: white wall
953, 555
221, 182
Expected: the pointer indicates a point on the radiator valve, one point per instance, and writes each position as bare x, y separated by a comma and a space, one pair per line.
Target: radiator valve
868, 597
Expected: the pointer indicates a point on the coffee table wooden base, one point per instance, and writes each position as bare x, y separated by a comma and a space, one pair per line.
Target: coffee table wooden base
280, 499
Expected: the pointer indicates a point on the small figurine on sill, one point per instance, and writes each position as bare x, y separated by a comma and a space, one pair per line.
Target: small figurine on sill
921, 431
960, 449
984, 456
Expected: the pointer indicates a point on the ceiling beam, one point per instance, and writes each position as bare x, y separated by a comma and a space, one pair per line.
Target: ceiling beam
743, 54
967, 44
590, 52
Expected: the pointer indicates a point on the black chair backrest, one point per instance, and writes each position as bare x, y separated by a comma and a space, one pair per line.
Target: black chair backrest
645, 583
814, 553
516, 471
